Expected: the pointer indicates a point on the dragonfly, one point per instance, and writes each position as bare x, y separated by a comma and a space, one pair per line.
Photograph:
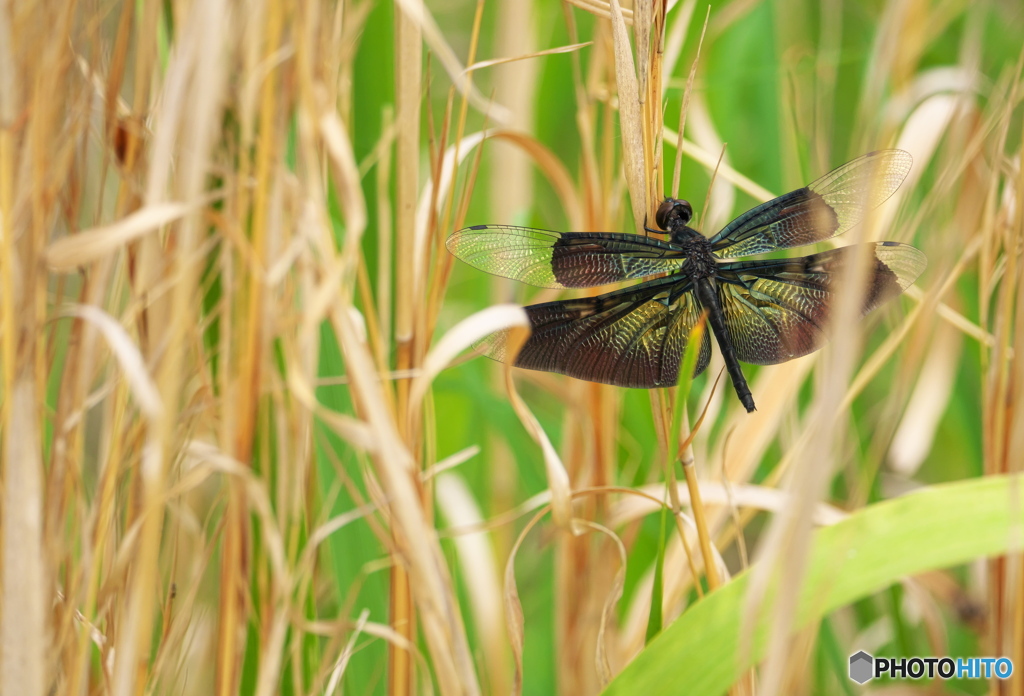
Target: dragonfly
762, 311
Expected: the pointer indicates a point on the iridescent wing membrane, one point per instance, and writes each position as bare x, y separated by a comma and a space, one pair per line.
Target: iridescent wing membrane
563, 259
772, 310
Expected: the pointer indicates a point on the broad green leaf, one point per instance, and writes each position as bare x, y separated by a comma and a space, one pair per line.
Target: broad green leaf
936, 528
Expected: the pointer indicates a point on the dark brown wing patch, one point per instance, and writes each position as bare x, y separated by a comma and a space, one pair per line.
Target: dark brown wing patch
821, 210
779, 310
628, 339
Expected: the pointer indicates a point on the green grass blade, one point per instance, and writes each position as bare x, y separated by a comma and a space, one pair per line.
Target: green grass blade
654, 619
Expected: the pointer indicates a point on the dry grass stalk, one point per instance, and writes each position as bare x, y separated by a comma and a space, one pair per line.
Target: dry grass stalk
408, 81
25, 636
631, 122
1003, 235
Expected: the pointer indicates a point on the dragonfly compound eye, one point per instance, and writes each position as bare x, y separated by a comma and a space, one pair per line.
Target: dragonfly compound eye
684, 210
662, 216
673, 213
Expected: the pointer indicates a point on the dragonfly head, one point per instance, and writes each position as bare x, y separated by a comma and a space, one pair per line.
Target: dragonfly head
673, 214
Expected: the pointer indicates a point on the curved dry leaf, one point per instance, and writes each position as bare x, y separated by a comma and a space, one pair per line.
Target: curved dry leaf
633, 508
324, 531
558, 477
614, 594
353, 206
552, 169
354, 431
390, 635
549, 165
258, 500
128, 357
953, 81
599, 8
69, 253
514, 608
504, 518
450, 462
924, 128
922, 131
457, 339
346, 654
479, 65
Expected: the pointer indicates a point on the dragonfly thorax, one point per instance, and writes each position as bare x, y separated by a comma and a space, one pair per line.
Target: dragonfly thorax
673, 216
700, 261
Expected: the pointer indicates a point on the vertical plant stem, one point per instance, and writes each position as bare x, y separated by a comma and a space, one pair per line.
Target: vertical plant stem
24, 621
700, 518
408, 77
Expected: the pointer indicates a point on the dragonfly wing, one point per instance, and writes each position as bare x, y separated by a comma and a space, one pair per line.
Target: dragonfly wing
563, 259
777, 310
821, 210
632, 338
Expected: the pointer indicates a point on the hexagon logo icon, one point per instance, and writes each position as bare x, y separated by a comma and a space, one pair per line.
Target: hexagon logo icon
861, 667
